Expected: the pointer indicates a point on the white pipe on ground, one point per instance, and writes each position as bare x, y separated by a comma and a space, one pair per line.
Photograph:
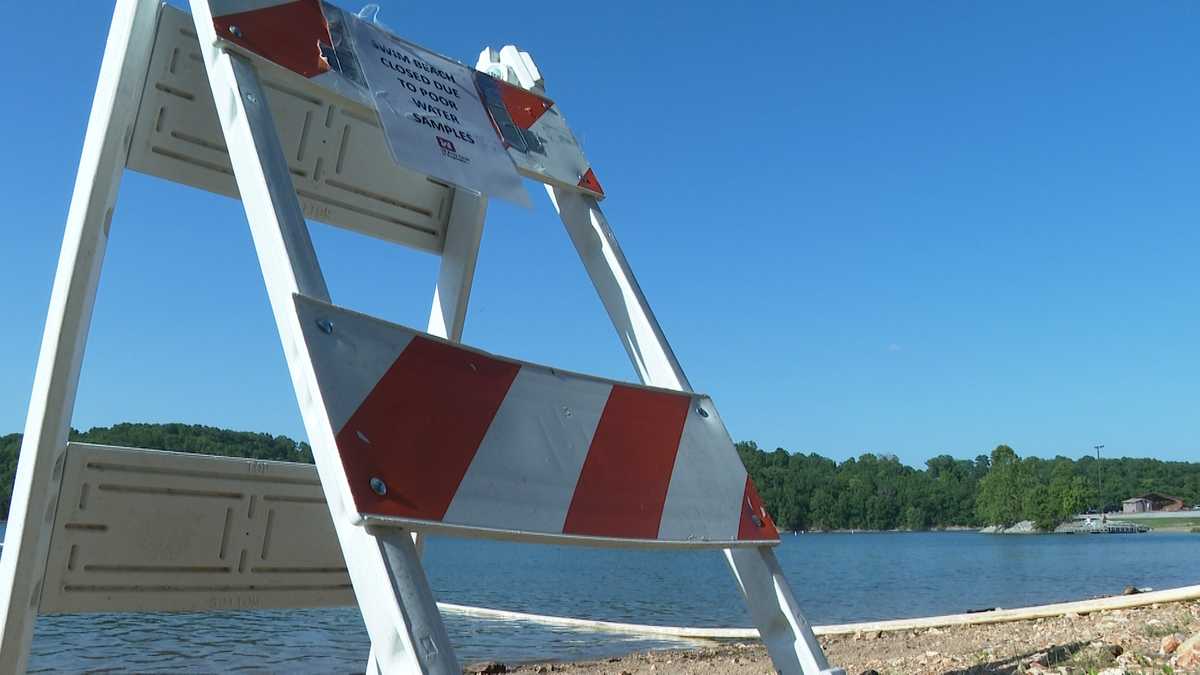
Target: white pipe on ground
995, 616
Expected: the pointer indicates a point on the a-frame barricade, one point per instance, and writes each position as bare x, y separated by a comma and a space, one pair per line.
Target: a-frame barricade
411, 431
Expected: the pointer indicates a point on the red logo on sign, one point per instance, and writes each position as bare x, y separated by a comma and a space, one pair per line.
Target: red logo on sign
445, 144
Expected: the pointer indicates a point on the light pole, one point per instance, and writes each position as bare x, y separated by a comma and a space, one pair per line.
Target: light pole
1099, 487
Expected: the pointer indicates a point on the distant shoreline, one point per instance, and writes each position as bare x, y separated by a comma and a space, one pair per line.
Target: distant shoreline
955, 529
1158, 527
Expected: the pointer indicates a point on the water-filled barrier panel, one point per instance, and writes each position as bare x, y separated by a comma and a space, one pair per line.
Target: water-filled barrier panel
143, 530
336, 151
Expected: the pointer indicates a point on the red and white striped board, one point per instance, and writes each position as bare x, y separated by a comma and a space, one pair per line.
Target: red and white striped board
439, 437
308, 38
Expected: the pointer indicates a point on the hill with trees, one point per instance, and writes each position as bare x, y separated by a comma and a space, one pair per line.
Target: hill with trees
877, 492
801, 491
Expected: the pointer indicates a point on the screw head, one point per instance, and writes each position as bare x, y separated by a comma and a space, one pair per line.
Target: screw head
701, 411
325, 325
378, 486
235, 31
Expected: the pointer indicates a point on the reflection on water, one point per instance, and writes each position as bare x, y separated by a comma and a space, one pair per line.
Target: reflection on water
836, 578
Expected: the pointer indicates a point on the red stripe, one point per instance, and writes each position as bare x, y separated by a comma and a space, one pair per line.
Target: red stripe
524, 106
623, 485
420, 427
752, 508
289, 34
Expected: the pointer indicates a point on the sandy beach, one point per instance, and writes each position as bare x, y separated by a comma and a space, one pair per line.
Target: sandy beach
1161, 638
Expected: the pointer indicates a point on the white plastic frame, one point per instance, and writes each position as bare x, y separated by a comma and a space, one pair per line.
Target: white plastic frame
405, 628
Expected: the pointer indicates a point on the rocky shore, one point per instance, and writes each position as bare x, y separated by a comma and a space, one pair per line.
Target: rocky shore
1160, 639
1078, 527
1023, 527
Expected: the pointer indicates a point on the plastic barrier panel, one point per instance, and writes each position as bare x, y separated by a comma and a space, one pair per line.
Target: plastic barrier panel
436, 436
336, 152
143, 530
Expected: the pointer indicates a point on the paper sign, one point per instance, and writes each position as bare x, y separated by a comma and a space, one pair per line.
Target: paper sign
432, 115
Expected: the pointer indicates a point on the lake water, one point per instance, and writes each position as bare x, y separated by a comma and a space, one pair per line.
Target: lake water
836, 577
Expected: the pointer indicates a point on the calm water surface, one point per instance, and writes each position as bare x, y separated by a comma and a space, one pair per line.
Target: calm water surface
837, 578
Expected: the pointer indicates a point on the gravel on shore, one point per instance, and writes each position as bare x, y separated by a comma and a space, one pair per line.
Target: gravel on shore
1154, 639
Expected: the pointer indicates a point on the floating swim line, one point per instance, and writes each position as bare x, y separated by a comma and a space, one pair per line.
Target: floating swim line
994, 616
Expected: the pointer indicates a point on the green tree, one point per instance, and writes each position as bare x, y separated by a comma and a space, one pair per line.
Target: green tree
1001, 494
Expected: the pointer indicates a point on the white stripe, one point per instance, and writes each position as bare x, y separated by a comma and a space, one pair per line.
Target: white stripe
222, 8
704, 499
524, 475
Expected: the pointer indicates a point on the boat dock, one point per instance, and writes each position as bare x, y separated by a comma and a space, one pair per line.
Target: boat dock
1095, 526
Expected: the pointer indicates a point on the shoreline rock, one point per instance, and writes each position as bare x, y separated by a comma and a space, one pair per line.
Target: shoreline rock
1023, 527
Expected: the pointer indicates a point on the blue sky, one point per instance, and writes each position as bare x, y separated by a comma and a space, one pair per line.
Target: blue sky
907, 227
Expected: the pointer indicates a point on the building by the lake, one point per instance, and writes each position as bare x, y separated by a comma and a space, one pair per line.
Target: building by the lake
1151, 501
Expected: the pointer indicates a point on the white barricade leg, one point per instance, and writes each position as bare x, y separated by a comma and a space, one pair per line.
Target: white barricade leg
781, 626
406, 631
789, 638
457, 271
636, 326
105, 149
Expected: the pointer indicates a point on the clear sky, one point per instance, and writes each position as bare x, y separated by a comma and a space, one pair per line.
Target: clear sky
905, 227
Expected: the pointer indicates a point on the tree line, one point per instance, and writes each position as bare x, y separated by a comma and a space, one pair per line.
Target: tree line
878, 492
801, 491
